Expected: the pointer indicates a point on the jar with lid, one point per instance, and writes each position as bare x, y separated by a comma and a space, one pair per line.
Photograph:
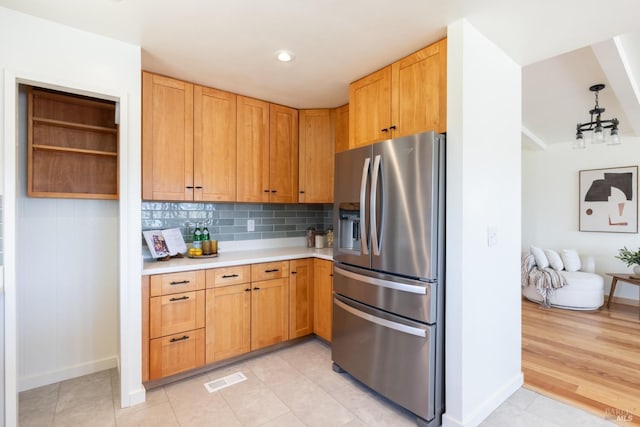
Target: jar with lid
311, 233
330, 237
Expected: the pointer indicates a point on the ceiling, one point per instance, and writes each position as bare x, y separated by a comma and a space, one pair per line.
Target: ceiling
231, 45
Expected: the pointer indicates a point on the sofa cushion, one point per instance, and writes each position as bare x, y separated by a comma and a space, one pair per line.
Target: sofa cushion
540, 257
583, 281
571, 259
554, 259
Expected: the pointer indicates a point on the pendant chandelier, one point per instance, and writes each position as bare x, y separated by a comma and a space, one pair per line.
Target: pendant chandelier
597, 125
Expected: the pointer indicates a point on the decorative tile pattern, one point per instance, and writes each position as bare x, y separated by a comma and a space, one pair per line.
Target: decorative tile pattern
228, 221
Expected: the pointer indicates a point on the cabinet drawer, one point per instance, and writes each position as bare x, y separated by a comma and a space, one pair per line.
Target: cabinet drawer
176, 353
269, 270
228, 276
171, 314
172, 283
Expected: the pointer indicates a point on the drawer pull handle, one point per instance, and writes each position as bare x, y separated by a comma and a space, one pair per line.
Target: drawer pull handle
248, 290
229, 276
182, 338
179, 299
273, 270
256, 289
183, 282
198, 187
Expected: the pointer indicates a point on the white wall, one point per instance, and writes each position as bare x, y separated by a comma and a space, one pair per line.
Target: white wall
550, 204
46, 53
483, 191
67, 277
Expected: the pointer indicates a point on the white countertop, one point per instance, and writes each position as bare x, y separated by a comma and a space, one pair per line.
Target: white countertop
237, 257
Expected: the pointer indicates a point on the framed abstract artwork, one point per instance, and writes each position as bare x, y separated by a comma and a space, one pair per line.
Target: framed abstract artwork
609, 200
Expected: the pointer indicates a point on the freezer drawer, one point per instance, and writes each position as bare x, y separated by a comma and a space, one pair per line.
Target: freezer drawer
409, 298
390, 354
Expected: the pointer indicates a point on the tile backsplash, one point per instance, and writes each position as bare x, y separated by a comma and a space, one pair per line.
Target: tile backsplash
228, 221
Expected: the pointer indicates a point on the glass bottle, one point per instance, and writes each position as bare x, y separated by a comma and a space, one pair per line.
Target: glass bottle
205, 233
197, 237
330, 237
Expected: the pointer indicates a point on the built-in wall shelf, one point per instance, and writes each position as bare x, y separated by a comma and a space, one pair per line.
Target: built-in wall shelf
73, 146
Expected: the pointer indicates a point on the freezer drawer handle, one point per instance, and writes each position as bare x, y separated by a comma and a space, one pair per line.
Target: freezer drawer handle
382, 322
380, 282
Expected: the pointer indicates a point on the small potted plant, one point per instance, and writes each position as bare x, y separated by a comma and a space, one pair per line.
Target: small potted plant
631, 258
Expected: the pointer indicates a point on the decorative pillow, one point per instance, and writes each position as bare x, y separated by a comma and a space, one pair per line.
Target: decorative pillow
554, 259
571, 259
541, 258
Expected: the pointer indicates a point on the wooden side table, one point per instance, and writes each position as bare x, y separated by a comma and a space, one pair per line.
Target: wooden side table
627, 278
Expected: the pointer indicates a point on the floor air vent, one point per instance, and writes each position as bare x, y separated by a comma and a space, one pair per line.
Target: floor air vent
224, 382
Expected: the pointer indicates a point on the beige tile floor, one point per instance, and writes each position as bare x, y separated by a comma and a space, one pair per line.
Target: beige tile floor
294, 386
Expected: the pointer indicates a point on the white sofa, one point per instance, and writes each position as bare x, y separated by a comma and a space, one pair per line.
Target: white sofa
584, 289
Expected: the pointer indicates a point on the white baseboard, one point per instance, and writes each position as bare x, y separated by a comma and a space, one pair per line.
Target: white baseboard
66, 373
481, 412
136, 397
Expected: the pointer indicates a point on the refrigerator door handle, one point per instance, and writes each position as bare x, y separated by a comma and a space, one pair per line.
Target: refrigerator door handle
375, 244
364, 242
382, 322
381, 282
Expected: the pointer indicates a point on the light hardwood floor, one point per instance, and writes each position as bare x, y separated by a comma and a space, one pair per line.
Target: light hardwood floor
587, 359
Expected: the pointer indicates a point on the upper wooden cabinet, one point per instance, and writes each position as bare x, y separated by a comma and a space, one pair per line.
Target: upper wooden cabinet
214, 145
342, 128
267, 166
317, 145
167, 138
406, 97
283, 154
188, 141
253, 146
370, 108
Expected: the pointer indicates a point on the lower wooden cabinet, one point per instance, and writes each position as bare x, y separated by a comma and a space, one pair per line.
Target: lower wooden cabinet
301, 298
176, 353
269, 312
243, 308
228, 322
322, 298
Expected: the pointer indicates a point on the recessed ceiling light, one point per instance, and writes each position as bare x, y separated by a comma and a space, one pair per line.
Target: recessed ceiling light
285, 56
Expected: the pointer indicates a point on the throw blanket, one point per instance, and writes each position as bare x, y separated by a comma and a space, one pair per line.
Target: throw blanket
544, 279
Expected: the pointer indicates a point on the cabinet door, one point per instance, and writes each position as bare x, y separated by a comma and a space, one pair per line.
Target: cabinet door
419, 91
228, 322
167, 138
175, 313
176, 353
317, 150
214, 145
252, 164
301, 298
283, 154
342, 128
370, 108
322, 298
269, 312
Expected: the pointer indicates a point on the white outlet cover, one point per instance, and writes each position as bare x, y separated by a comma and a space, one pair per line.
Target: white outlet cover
251, 225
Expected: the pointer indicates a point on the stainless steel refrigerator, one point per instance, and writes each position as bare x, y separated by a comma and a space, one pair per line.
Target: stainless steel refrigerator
388, 306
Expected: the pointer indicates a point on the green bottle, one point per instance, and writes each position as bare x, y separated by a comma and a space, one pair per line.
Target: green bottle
205, 234
197, 237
